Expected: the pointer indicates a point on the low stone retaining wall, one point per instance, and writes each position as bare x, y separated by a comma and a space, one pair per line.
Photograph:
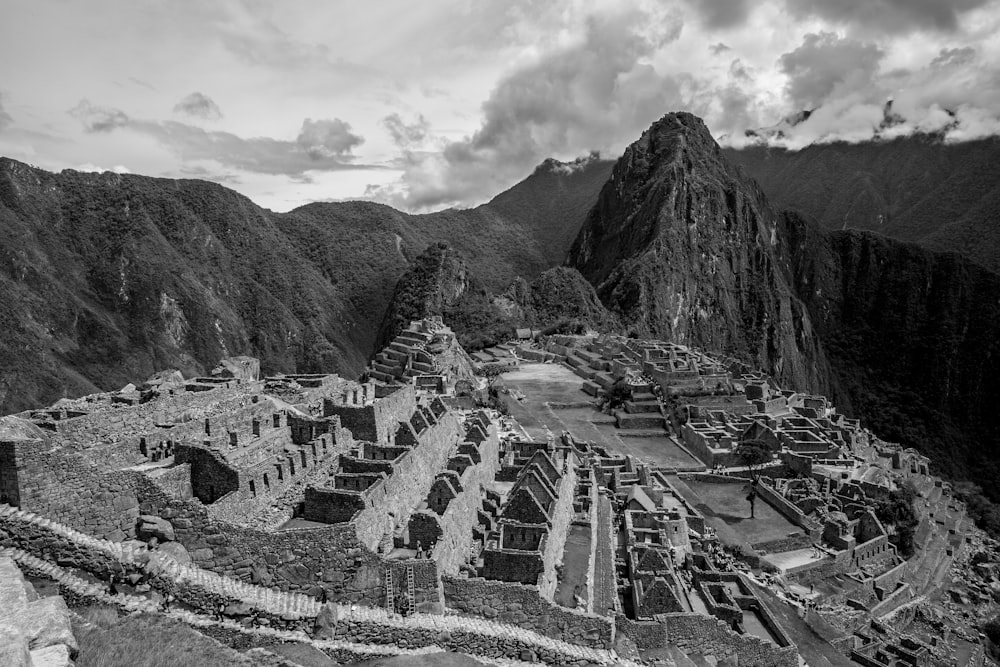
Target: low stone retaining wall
522, 606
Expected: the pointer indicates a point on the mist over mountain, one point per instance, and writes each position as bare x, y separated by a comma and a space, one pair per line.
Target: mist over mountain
918, 188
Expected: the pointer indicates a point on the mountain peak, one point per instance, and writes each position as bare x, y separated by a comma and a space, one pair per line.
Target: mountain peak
681, 240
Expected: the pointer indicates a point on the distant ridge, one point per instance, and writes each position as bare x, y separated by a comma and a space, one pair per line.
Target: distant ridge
106, 278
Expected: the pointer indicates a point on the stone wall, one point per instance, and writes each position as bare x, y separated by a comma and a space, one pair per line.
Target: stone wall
377, 421
695, 633
9, 488
562, 516
67, 488
212, 477
462, 514
873, 549
523, 606
306, 560
409, 483
645, 634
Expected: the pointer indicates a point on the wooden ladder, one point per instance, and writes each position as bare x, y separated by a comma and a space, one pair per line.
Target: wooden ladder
389, 596
410, 587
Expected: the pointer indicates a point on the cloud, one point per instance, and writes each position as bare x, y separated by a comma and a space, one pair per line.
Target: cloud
99, 119
5, 118
326, 139
140, 82
955, 95
321, 145
595, 94
199, 105
825, 63
406, 135
889, 16
720, 14
948, 57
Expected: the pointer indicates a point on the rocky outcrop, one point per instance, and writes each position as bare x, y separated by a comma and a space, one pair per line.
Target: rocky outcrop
33, 631
682, 246
437, 279
241, 368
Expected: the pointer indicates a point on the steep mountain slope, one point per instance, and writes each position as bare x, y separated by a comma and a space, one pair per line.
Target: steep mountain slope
913, 338
917, 188
106, 278
681, 245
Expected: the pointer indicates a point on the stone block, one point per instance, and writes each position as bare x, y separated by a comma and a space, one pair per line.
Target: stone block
13, 587
57, 655
176, 551
13, 647
154, 526
46, 622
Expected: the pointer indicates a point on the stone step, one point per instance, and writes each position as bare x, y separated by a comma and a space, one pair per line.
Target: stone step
642, 407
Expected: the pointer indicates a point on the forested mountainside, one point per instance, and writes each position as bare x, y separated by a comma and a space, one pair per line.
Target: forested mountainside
440, 283
945, 196
106, 278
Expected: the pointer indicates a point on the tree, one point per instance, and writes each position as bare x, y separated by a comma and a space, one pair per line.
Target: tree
492, 372
754, 455
619, 394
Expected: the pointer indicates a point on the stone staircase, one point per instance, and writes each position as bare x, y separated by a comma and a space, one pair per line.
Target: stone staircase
86, 591
200, 588
404, 358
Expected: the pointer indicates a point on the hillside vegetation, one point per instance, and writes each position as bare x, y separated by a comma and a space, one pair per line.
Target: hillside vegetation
106, 278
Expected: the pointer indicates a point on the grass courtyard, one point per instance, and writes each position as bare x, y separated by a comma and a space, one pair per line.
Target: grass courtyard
544, 384
727, 504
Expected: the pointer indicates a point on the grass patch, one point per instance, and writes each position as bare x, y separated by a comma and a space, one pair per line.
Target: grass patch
145, 640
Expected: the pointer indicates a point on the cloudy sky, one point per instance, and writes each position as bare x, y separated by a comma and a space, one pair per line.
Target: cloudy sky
448, 102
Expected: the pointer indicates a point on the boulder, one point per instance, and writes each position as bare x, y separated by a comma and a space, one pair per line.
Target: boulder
325, 626
260, 576
237, 609
241, 368
168, 379
153, 526
52, 656
13, 647
46, 622
13, 588
176, 551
